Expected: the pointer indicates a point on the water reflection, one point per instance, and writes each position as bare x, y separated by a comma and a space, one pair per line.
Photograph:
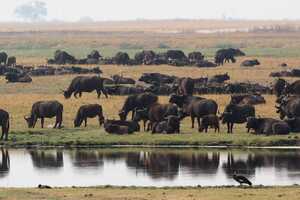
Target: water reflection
147, 167
47, 159
5, 163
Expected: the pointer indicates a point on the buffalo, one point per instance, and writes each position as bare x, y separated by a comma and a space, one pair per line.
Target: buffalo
210, 121
267, 126
121, 58
289, 106
45, 109
219, 78
85, 84
137, 101
182, 100
236, 114
88, 111
294, 124
226, 55
122, 80
157, 112
279, 86
4, 123
121, 127
250, 63
145, 57
3, 58
251, 99
62, 57
94, 55
11, 61
185, 86
170, 125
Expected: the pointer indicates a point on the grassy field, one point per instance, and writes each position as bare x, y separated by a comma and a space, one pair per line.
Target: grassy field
33, 43
19, 97
107, 193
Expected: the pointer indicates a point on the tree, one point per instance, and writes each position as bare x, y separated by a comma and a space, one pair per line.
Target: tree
32, 11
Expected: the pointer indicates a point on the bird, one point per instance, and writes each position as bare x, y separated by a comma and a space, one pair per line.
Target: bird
242, 180
44, 186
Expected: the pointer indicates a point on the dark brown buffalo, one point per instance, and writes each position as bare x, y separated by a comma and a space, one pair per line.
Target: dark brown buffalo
4, 123
210, 121
267, 126
158, 112
170, 125
278, 87
185, 86
294, 124
3, 58
289, 106
121, 127
85, 84
138, 101
251, 99
250, 63
45, 109
236, 114
88, 111
182, 100
11, 61
122, 80
219, 78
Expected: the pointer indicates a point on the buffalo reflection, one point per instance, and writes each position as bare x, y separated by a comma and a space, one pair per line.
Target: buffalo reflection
47, 159
167, 165
87, 158
5, 163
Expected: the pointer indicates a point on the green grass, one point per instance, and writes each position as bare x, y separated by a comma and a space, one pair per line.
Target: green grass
91, 137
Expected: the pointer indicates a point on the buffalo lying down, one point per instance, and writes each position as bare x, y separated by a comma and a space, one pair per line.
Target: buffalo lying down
45, 109
121, 127
85, 84
88, 111
268, 126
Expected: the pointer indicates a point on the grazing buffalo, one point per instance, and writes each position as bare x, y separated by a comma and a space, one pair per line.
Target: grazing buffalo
289, 106
122, 80
267, 126
250, 63
11, 61
88, 111
121, 127
4, 123
185, 86
45, 109
138, 101
85, 84
3, 58
157, 112
236, 114
170, 125
251, 99
210, 121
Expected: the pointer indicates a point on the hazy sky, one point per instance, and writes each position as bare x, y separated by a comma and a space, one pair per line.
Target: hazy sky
72, 10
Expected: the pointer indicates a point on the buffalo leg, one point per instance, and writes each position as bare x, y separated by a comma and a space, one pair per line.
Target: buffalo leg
98, 93
42, 122
104, 92
199, 123
154, 127
193, 120
231, 128
58, 121
144, 124
34, 121
228, 127
132, 116
85, 122
3, 131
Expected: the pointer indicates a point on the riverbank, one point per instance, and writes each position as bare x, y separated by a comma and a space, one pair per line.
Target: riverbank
184, 193
96, 137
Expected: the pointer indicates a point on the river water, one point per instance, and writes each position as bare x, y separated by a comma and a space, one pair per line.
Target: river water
147, 167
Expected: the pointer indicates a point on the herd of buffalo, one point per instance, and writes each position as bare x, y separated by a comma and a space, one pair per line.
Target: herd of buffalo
166, 118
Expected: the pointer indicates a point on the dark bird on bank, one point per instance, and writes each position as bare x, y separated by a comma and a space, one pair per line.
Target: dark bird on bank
44, 186
241, 180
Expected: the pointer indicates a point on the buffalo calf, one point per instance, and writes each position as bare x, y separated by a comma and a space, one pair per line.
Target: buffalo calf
210, 121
